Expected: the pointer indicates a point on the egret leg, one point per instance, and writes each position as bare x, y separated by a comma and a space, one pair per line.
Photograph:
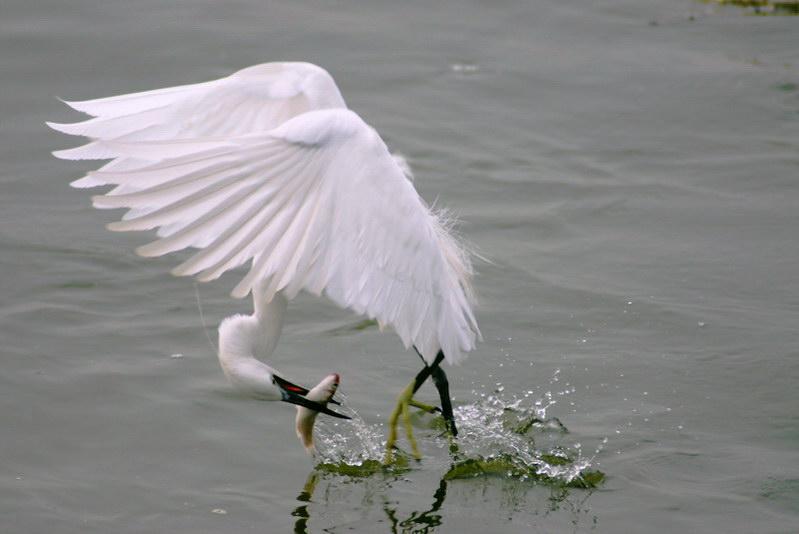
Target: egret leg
442, 385
406, 418
393, 420
405, 400
424, 407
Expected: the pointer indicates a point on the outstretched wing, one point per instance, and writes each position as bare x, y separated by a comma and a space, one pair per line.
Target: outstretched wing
255, 99
317, 203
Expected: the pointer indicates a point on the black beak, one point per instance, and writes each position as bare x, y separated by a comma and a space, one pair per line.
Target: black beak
295, 394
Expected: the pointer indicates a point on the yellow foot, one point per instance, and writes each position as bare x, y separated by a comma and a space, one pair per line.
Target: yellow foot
422, 406
404, 402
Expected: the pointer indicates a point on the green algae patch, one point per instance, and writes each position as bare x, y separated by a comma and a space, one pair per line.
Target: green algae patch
505, 466
762, 7
523, 426
366, 469
478, 467
587, 480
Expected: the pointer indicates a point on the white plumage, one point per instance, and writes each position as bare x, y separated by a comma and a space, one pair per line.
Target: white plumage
268, 168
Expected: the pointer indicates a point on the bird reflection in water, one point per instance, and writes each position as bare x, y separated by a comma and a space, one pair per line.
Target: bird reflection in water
515, 496
418, 522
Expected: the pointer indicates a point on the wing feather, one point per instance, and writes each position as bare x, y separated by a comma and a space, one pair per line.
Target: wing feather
255, 99
268, 167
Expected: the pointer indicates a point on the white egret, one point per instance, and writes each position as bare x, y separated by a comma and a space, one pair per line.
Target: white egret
268, 167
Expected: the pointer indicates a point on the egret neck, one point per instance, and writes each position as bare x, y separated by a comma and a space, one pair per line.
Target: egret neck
246, 340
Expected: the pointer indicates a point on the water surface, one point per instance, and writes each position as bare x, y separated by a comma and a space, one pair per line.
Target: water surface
628, 169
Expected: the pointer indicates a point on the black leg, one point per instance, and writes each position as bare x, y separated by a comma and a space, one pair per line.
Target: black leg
442, 385
427, 370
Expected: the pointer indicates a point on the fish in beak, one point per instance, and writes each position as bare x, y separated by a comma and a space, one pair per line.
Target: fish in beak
294, 394
322, 393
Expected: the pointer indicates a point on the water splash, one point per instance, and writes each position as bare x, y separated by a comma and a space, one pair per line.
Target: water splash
499, 435
352, 442
517, 435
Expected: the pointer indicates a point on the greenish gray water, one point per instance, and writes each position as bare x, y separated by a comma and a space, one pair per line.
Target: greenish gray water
628, 168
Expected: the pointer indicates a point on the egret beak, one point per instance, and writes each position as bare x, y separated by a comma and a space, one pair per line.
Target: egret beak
295, 394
